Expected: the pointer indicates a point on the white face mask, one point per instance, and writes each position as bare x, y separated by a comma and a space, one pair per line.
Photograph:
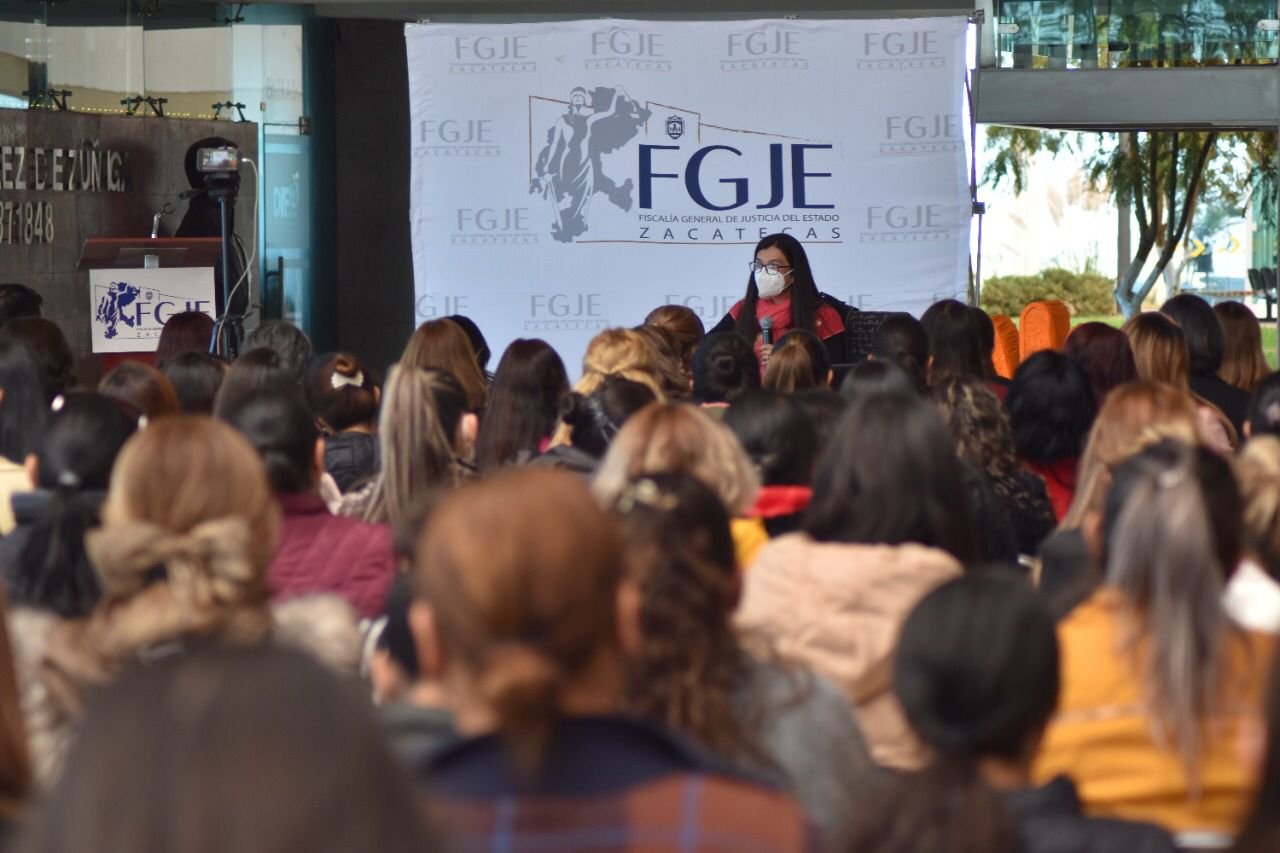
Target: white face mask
770, 284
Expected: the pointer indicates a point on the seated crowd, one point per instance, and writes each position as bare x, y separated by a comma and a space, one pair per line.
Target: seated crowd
719, 593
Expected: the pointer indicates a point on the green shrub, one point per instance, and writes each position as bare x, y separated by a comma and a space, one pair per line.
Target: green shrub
1084, 293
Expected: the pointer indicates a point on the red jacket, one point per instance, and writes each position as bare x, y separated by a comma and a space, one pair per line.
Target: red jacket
323, 552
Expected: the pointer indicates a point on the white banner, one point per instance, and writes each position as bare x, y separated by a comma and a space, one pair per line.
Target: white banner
129, 307
569, 177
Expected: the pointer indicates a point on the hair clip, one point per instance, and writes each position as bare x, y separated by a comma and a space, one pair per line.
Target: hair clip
338, 381
647, 493
69, 480
57, 404
1172, 477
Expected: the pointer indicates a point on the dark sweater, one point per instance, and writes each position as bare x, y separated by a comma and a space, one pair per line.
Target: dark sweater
1051, 821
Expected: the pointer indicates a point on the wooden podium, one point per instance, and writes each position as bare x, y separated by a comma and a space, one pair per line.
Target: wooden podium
126, 253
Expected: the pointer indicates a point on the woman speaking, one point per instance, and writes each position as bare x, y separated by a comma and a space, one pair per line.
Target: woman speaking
781, 296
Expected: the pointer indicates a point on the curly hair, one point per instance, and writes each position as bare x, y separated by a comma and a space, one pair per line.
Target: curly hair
984, 437
680, 553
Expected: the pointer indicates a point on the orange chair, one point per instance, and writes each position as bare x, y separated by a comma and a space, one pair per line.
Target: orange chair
1008, 354
1045, 325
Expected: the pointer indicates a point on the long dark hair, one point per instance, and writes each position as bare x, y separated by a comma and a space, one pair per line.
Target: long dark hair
804, 291
524, 402
955, 341
976, 671
79, 446
777, 435
901, 339
23, 408
681, 554
891, 475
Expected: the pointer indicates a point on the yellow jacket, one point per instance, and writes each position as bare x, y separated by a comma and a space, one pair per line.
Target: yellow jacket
1102, 735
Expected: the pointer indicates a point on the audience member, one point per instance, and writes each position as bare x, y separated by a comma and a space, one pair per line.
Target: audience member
955, 342
23, 412
426, 434
258, 369
670, 367
723, 365
684, 325
16, 772
1051, 409
1105, 354
1243, 363
824, 408
1253, 593
235, 750
524, 404
478, 343
345, 395
799, 361
984, 439
50, 348
196, 378
318, 551
888, 522
902, 340
1264, 408
287, 341
592, 422
987, 335
145, 389
693, 675
186, 331
443, 345
529, 622
977, 673
1157, 683
18, 300
44, 561
1207, 345
874, 377
1260, 832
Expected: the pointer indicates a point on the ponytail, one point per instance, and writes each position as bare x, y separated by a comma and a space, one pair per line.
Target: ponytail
53, 569
799, 361
521, 686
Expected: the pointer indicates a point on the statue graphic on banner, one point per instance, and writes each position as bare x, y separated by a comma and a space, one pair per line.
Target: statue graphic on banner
568, 172
118, 296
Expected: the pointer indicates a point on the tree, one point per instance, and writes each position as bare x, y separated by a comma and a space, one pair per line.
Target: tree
1162, 174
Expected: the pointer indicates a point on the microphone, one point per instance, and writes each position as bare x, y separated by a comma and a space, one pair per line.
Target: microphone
766, 331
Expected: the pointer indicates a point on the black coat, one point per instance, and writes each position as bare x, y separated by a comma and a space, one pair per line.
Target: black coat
351, 458
1051, 821
1233, 401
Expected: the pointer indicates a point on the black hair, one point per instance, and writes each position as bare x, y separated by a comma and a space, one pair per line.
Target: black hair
77, 450
1264, 406
18, 300
824, 408
196, 377
901, 339
891, 475
257, 369
805, 298
478, 343
987, 336
49, 347
997, 540
1203, 329
955, 341
396, 637
288, 341
799, 361
1051, 407
343, 392
23, 408
777, 435
867, 378
723, 365
282, 428
524, 403
595, 419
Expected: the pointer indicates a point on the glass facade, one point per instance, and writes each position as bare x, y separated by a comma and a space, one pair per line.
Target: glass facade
1136, 33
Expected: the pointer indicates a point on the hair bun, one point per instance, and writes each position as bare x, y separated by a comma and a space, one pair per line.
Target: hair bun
522, 686
346, 365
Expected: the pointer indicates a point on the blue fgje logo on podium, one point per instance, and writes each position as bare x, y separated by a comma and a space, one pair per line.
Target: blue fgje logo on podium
119, 295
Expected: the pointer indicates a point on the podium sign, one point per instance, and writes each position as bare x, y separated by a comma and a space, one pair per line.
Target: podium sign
129, 307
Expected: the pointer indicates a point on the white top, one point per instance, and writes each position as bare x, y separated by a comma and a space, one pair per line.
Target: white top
1252, 599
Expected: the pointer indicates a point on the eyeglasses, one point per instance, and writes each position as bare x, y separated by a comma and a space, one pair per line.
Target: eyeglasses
772, 269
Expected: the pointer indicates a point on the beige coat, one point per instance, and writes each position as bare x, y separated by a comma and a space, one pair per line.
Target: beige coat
838, 608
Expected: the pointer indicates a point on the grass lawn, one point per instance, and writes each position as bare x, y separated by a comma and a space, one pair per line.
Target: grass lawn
1268, 333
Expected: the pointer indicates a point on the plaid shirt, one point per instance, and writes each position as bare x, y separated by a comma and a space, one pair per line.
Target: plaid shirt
681, 811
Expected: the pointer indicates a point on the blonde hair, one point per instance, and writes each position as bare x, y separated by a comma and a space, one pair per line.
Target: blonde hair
443, 344
523, 601
684, 325
1258, 472
420, 412
1243, 362
672, 438
616, 352
1135, 416
1160, 350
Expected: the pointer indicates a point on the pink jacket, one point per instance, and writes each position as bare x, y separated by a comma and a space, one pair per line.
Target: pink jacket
838, 608
323, 552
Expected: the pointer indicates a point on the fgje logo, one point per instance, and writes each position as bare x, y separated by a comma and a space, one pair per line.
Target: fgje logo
898, 223
142, 311
620, 47
711, 308
905, 136
456, 137
429, 306
568, 173
675, 126
493, 226
491, 55
894, 51
561, 312
764, 49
